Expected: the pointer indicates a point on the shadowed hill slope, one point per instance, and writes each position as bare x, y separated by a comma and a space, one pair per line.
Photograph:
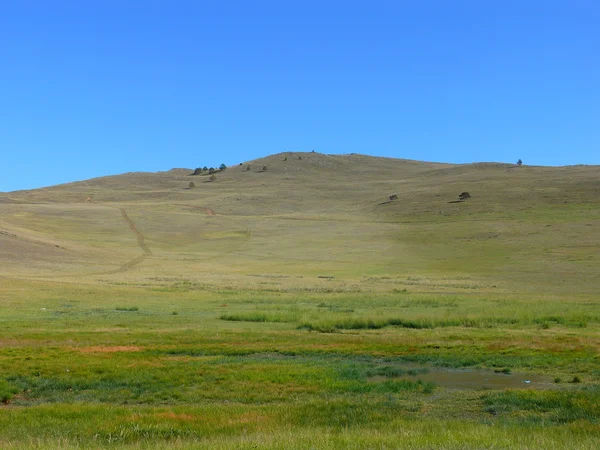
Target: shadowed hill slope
300, 216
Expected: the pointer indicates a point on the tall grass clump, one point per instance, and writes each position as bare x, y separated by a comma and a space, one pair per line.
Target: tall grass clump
7, 391
560, 406
367, 323
259, 317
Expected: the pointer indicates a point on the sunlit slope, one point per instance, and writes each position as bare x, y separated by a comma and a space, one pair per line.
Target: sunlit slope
290, 218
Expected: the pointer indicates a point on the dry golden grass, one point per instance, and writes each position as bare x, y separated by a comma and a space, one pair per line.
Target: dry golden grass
525, 228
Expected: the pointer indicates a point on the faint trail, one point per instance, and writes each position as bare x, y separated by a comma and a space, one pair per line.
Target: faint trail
247, 232
208, 211
128, 265
140, 241
138, 234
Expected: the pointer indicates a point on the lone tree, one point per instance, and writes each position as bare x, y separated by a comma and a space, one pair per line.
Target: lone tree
192, 185
520, 162
211, 170
222, 167
464, 196
212, 177
198, 171
247, 168
393, 197
264, 168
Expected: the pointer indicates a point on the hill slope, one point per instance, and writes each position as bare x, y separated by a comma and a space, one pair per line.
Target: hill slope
310, 215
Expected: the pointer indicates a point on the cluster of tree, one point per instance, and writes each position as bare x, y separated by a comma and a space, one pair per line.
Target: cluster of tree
210, 170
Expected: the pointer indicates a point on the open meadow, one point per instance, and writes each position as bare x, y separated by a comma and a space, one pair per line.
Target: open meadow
290, 303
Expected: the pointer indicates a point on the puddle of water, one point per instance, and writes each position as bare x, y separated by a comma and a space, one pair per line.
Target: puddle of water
475, 379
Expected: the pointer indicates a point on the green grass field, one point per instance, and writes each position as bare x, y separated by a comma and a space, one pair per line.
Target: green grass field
298, 308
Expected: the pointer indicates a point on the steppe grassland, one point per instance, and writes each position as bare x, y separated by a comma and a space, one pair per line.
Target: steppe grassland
288, 319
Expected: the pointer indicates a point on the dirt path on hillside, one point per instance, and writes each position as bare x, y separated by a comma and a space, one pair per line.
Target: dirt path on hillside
208, 211
123, 268
140, 241
139, 236
211, 212
147, 252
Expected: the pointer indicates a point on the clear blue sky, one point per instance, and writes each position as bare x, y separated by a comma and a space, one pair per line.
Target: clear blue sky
98, 87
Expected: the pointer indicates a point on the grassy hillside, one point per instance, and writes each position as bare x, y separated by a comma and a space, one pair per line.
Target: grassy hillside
524, 229
298, 306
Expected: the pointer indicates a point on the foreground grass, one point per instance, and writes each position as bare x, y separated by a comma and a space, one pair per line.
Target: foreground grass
276, 428
112, 365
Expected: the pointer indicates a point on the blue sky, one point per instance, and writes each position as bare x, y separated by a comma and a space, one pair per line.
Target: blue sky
99, 87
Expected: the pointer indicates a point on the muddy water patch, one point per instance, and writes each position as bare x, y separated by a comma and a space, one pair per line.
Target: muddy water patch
471, 379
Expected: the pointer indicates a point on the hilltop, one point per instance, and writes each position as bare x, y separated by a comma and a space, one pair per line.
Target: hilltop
311, 215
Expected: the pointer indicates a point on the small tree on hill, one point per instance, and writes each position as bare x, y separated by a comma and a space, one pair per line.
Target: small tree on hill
264, 169
247, 168
213, 177
211, 170
192, 185
464, 196
393, 197
205, 168
520, 162
222, 167
198, 171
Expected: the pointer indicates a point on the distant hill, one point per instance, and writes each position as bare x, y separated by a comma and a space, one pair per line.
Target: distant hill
307, 214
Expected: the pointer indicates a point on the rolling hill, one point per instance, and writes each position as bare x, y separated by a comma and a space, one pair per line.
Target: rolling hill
316, 220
